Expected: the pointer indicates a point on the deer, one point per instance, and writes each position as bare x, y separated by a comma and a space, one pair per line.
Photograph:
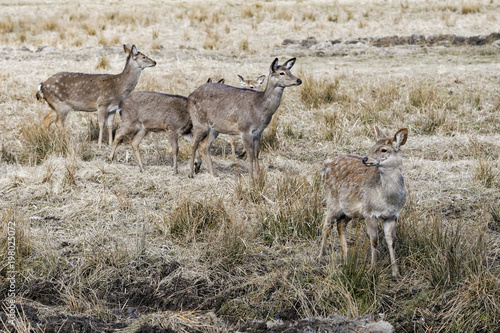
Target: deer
65, 92
218, 108
370, 187
249, 84
146, 111
220, 81
252, 84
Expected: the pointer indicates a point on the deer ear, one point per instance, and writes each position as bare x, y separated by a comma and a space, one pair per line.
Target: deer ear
289, 64
127, 48
261, 79
209, 80
274, 66
379, 134
134, 51
221, 81
242, 80
400, 137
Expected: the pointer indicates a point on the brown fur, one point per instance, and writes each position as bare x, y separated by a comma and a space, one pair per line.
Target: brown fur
252, 84
217, 108
65, 92
371, 188
145, 111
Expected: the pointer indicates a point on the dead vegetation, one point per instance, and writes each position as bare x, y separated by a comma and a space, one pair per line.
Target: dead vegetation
101, 246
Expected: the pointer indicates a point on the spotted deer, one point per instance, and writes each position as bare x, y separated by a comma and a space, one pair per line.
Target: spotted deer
218, 108
146, 111
370, 187
65, 92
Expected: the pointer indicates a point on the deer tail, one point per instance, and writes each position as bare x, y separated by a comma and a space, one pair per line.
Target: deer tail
39, 93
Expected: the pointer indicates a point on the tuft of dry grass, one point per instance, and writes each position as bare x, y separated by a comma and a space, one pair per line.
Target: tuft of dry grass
295, 210
103, 63
38, 144
486, 174
191, 220
470, 8
319, 93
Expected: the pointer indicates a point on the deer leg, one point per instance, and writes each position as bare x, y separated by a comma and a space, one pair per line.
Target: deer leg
61, 118
109, 123
372, 229
256, 151
390, 238
135, 146
248, 144
102, 113
196, 141
232, 141
197, 164
327, 227
49, 119
212, 135
58, 115
120, 134
172, 137
342, 231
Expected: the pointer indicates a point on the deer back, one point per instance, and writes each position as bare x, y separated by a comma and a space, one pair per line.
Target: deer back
156, 112
226, 108
79, 90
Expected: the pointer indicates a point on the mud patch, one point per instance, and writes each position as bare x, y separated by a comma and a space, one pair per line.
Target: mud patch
331, 324
44, 292
60, 323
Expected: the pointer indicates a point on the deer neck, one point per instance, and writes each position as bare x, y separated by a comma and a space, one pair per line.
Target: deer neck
391, 180
271, 99
128, 79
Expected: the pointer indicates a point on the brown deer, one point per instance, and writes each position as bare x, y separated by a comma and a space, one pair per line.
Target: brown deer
252, 84
65, 92
145, 111
218, 108
249, 84
370, 187
220, 81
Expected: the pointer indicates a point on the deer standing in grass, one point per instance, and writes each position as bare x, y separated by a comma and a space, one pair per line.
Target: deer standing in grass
249, 84
65, 92
370, 187
146, 111
218, 108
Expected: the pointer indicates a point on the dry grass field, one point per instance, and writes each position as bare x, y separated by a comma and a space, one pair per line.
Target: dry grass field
101, 247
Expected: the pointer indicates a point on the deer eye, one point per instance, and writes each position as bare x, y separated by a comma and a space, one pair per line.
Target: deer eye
383, 150
282, 73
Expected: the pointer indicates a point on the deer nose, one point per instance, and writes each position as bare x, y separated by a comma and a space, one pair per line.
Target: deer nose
299, 81
365, 160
